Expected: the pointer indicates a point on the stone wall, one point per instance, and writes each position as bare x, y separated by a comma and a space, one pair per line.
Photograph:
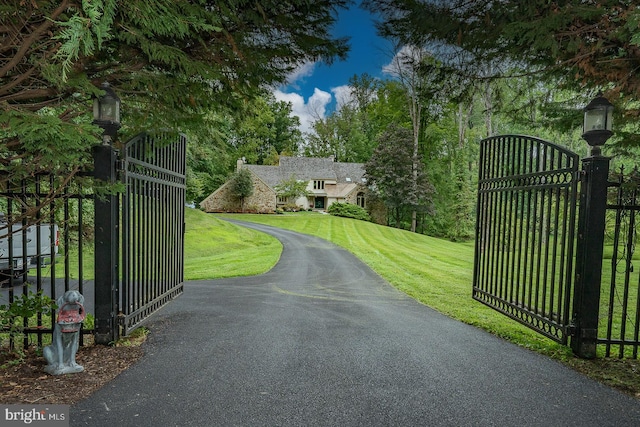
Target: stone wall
263, 199
353, 196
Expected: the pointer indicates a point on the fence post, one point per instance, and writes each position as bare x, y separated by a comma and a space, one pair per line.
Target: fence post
589, 251
106, 248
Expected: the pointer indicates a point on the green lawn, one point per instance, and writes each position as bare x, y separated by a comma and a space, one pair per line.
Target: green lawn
213, 249
216, 249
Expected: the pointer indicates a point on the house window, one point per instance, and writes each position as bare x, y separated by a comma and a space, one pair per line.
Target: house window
318, 185
360, 199
283, 200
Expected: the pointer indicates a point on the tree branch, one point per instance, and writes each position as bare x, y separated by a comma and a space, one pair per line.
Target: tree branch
26, 44
22, 77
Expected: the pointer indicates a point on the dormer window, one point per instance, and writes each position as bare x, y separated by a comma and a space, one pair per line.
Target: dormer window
318, 185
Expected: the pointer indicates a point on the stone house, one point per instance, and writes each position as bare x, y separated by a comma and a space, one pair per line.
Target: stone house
327, 182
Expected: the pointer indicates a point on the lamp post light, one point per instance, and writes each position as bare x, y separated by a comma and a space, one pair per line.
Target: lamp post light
598, 123
597, 129
106, 113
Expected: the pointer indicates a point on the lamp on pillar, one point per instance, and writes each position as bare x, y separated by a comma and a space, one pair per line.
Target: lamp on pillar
597, 129
598, 123
106, 113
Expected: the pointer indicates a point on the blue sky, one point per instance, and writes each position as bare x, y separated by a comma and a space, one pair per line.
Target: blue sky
316, 88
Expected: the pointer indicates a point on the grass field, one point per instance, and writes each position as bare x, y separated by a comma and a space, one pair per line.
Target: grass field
217, 249
213, 249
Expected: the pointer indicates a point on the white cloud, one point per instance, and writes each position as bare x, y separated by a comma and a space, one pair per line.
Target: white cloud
317, 104
402, 61
313, 109
304, 70
343, 95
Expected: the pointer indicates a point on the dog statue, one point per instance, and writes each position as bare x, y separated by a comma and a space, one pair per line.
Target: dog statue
61, 354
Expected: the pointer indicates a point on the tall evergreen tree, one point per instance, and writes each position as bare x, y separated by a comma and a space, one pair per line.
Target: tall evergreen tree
575, 44
390, 174
170, 61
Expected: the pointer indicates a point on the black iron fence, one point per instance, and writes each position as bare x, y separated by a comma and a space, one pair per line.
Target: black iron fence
619, 326
122, 250
540, 244
152, 225
46, 227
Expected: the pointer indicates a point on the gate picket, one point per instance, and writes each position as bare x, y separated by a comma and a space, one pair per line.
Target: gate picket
527, 197
152, 225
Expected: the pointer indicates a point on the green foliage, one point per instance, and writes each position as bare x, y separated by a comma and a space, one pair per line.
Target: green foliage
577, 46
209, 157
265, 129
85, 32
25, 306
47, 142
341, 135
163, 54
348, 210
390, 174
175, 65
241, 185
349, 134
292, 188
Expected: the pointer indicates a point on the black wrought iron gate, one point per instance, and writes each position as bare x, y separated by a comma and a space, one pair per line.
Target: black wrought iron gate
140, 233
138, 236
525, 232
152, 225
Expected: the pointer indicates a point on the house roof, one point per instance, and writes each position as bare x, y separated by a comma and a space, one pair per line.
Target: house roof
309, 169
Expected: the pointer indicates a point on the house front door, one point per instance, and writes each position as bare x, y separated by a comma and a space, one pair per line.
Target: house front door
319, 203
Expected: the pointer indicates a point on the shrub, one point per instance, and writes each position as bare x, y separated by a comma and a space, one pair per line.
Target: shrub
291, 207
24, 308
348, 210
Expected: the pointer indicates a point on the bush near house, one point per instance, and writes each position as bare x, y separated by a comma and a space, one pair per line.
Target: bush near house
348, 210
291, 207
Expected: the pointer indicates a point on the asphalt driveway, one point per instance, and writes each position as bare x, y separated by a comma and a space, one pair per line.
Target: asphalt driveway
321, 340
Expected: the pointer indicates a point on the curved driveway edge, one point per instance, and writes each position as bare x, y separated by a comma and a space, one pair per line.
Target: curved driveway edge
321, 340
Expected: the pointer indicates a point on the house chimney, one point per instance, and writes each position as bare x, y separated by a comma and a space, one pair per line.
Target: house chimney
239, 164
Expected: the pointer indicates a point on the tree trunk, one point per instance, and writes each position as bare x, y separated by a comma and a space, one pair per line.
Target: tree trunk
415, 117
488, 113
